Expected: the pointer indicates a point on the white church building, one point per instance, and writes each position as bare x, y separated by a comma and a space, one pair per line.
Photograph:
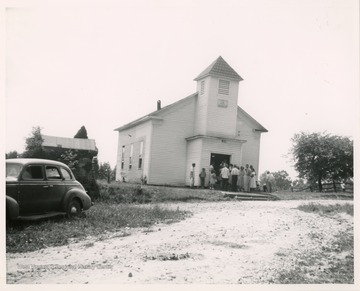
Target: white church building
203, 129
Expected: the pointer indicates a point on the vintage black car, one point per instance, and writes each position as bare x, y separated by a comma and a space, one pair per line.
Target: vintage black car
37, 188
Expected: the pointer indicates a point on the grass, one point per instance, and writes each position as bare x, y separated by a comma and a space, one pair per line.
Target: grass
328, 209
117, 192
115, 211
288, 195
334, 264
100, 219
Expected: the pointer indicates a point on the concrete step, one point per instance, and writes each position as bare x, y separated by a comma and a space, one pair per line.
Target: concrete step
249, 196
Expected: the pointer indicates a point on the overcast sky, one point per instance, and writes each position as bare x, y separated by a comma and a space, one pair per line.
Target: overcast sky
103, 66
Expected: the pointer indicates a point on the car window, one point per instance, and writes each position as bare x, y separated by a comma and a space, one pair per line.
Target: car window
13, 170
52, 173
66, 174
33, 173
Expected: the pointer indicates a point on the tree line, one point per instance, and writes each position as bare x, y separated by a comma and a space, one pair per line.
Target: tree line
318, 158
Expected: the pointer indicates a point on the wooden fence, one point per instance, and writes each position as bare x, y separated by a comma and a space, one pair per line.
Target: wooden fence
328, 187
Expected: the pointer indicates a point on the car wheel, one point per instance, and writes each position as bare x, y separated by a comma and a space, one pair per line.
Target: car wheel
74, 208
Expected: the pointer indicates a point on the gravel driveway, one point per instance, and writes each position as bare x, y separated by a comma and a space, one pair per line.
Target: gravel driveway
231, 242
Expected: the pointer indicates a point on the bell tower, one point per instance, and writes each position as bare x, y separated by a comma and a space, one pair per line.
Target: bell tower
216, 108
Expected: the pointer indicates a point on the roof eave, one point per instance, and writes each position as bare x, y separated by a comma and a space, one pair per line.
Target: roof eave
260, 127
154, 114
137, 122
219, 76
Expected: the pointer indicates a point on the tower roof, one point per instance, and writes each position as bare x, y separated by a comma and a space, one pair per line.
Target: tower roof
219, 68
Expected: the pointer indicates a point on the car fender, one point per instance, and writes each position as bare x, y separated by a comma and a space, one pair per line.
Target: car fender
12, 208
79, 194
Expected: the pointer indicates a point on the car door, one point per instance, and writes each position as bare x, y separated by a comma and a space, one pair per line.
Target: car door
57, 188
33, 190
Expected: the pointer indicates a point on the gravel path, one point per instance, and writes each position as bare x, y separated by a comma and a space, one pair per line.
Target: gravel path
223, 243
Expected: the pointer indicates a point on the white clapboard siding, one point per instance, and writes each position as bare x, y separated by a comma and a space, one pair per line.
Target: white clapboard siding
168, 148
222, 110
251, 149
134, 136
194, 153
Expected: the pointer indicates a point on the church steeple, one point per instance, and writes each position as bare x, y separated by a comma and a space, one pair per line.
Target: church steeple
216, 107
219, 68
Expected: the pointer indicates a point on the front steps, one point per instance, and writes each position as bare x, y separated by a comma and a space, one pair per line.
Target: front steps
251, 196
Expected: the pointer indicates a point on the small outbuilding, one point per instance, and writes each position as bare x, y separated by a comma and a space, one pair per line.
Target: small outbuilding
203, 129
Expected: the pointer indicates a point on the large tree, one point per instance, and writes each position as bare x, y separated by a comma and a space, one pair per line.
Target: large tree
322, 157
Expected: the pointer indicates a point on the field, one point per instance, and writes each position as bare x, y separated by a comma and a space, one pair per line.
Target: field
308, 240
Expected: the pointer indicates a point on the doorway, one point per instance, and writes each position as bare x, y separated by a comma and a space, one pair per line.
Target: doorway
217, 159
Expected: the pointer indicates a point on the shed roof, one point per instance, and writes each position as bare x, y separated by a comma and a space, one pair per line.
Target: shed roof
219, 68
69, 143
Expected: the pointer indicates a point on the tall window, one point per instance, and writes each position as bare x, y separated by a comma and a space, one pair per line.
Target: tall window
122, 157
141, 154
224, 87
131, 154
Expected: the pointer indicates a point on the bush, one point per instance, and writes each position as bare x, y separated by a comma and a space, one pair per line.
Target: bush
123, 193
90, 186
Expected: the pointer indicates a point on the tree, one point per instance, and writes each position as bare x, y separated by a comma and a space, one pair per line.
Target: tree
322, 157
12, 155
82, 133
105, 172
282, 180
34, 142
299, 184
70, 158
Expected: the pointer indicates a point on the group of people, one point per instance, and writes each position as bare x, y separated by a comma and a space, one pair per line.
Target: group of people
234, 178
231, 177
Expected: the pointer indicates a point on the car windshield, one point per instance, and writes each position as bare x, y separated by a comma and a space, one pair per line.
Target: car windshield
13, 170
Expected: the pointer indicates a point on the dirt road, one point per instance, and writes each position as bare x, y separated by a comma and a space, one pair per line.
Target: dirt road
223, 242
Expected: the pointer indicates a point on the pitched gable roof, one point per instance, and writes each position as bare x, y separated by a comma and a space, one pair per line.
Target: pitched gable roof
219, 68
257, 124
155, 114
69, 143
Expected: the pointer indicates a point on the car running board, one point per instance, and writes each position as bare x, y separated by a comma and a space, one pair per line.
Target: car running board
41, 216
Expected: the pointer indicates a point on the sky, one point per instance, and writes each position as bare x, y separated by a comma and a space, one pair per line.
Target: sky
103, 64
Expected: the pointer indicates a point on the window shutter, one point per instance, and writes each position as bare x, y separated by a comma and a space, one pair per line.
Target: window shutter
224, 87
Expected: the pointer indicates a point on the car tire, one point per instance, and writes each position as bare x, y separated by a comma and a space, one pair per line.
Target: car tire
74, 208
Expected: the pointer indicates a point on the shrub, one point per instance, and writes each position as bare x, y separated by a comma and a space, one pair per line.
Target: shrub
123, 192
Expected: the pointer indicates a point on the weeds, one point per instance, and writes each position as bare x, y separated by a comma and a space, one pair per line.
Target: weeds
117, 192
101, 218
328, 209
